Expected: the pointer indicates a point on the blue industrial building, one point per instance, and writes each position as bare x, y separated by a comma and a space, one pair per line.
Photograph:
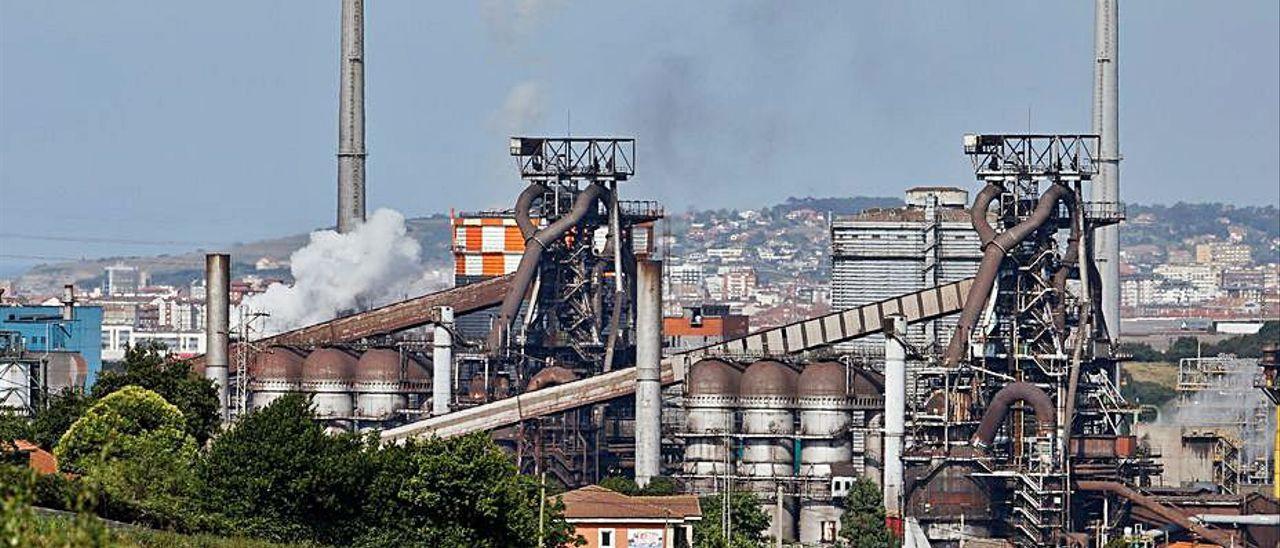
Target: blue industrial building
43, 329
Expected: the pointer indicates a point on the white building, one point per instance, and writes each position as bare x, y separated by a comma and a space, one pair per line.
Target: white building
883, 253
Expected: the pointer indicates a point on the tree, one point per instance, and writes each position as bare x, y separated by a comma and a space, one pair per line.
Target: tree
49, 424
862, 525
277, 475
620, 484
461, 491
147, 366
749, 522
132, 448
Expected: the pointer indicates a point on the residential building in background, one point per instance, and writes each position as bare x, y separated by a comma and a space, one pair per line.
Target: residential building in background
1224, 254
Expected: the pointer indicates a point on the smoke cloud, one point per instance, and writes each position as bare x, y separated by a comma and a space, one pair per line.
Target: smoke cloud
376, 264
1230, 403
511, 22
523, 108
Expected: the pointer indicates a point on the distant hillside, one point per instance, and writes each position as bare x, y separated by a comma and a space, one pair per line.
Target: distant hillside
181, 269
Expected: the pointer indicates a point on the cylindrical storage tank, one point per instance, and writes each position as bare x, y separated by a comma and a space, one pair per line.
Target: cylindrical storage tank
768, 401
274, 372
710, 398
328, 374
823, 400
15, 386
377, 384
417, 382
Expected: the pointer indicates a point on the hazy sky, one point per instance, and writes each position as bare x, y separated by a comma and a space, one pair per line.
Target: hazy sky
214, 122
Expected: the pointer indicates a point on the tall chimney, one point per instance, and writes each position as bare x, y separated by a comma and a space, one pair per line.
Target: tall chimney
351, 153
895, 410
648, 370
217, 326
1106, 123
442, 361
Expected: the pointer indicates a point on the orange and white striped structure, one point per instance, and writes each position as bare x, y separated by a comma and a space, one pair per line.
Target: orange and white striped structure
486, 246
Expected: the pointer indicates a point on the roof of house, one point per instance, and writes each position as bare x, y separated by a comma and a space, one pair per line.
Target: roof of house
597, 502
43, 462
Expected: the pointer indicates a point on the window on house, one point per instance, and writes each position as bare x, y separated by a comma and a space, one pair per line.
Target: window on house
606, 538
829, 531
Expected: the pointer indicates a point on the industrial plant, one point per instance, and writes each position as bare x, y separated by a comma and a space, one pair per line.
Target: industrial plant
969, 367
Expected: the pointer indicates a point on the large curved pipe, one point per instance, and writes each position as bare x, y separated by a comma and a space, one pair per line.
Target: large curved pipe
1046, 416
528, 267
523, 203
978, 213
1169, 514
992, 255
1069, 260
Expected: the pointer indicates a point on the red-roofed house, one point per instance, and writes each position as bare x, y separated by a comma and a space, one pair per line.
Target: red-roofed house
43, 462
608, 519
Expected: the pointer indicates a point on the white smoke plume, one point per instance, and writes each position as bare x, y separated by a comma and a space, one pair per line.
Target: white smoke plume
376, 264
523, 108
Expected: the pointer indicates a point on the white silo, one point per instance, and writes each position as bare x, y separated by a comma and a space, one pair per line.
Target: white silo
377, 385
274, 372
327, 374
710, 399
824, 424
768, 401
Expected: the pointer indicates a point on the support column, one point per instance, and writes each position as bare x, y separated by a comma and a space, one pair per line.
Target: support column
442, 361
217, 325
895, 408
648, 424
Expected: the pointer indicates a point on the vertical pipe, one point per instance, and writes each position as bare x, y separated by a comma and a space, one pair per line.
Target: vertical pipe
351, 153
895, 408
648, 370
442, 361
217, 327
1106, 123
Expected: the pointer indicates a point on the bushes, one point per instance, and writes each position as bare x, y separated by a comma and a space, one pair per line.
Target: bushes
750, 523
133, 450
276, 475
146, 366
862, 525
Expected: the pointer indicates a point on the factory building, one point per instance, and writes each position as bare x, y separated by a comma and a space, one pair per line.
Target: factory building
884, 252
59, 329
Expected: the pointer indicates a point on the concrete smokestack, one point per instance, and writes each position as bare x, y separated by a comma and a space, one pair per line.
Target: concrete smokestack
217, 327
442, 361
1106, 123
648, 370
895, 409
351, 153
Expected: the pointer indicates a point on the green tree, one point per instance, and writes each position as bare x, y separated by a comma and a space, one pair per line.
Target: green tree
461, 491
49, 424
660, 486
620, 484
132, 448
862, 525
277, 475
749, 522
146, 365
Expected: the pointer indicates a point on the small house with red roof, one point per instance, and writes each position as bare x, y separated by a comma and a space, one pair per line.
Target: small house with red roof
608, 519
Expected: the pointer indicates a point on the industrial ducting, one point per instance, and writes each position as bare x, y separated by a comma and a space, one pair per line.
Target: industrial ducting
1046, 416
993, 254
528, 267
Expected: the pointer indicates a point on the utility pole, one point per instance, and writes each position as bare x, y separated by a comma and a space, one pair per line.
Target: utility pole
542, 505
